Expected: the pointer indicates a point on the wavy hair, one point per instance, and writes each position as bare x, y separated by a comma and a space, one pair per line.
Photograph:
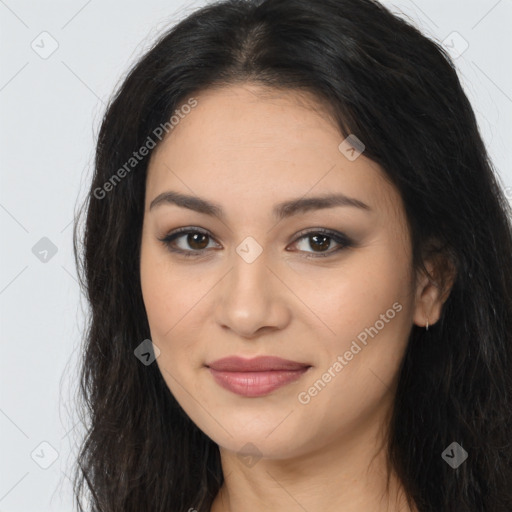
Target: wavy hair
398, 92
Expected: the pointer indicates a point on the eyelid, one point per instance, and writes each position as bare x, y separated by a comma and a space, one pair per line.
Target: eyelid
176, 233
338, 237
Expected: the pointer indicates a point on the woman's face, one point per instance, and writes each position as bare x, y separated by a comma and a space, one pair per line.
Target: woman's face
264, 282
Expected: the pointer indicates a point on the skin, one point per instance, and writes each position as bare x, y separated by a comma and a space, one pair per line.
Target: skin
247, 148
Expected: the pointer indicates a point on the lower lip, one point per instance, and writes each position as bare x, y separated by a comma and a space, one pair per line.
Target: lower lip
252, 384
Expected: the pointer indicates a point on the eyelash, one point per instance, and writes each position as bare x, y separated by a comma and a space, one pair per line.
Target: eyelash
336, 236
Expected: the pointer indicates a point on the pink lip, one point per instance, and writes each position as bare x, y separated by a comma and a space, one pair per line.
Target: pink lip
255, 377
256, 364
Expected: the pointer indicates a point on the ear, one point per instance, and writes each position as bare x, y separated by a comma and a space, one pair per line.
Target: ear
433, 289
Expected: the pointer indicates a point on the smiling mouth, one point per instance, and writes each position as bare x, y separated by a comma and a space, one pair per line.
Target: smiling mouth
256, 364
256, 376
255, 384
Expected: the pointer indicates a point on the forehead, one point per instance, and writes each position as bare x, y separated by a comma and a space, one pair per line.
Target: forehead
251, 143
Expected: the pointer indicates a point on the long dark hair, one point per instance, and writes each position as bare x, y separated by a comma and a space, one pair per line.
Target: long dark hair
398, 92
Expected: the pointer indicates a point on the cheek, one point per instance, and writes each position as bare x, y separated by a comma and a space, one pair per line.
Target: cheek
355, 295
173, 297
368, 309
166, 302
159, 291
167, 292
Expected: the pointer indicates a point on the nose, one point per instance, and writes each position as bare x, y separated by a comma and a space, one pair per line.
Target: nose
252, 298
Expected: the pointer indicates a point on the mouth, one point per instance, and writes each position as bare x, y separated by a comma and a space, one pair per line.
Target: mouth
255, 377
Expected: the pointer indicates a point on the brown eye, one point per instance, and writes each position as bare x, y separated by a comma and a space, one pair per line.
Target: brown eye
320, 240
194, 242
187, 241
197, 241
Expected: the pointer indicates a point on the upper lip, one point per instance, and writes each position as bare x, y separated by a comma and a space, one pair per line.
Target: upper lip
257, 364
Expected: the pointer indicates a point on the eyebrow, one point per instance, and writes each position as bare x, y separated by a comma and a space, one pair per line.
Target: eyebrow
280, 211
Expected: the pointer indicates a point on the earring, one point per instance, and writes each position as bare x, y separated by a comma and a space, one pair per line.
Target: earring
426, 327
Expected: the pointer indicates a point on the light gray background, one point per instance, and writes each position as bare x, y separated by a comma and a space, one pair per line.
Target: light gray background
50, 112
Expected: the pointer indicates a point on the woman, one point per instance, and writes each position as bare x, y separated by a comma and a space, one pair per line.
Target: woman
298, 261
